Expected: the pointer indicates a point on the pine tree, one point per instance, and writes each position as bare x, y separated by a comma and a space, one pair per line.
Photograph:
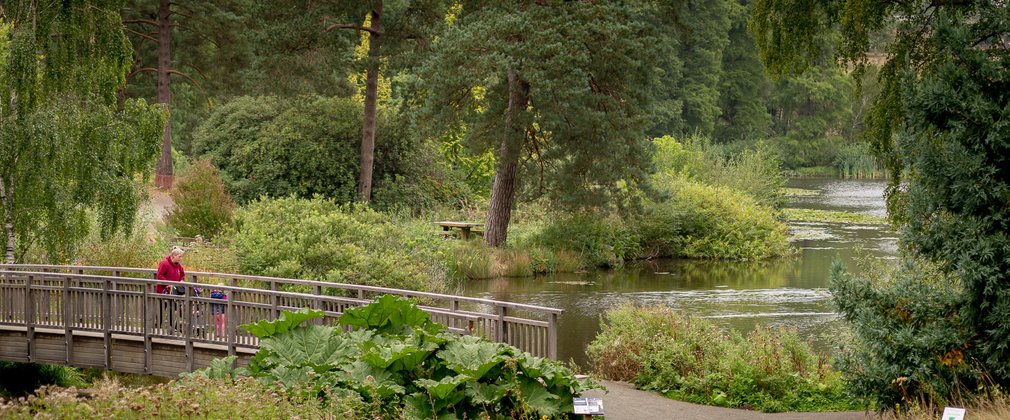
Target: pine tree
560, 87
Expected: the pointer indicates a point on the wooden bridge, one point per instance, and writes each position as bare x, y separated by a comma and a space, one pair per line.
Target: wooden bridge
111, 317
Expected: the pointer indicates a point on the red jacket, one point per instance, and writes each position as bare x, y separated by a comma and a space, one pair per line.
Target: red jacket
168, 270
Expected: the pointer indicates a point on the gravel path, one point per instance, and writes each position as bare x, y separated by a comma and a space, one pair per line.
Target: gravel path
623, 401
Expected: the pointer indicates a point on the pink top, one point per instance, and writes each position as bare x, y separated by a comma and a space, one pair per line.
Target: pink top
168, 270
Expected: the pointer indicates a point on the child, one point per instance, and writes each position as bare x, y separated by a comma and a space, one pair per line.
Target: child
217, 310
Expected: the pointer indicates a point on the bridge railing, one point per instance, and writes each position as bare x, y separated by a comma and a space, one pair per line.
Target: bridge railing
122, 301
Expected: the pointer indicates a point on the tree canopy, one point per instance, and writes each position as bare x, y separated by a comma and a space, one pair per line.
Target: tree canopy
561, 86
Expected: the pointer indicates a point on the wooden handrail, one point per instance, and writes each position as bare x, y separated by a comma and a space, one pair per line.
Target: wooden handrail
91, 299
281, 280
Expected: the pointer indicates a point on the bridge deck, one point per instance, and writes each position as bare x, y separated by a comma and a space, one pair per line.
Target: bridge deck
110, 317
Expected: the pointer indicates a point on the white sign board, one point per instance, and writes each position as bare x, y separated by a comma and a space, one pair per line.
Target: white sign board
589, 405
951, 413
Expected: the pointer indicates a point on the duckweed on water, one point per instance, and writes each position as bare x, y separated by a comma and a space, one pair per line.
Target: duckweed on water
831, 216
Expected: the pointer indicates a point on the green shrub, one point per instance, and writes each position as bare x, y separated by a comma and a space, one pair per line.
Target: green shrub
202, 207
309, 146
134, 249
396, 358
601, 240
319, 239
911, 339
692, 359
215, 257
702, 221
182, 399
754, 170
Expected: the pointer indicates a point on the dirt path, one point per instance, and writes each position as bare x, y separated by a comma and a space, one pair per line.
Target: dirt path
624, 402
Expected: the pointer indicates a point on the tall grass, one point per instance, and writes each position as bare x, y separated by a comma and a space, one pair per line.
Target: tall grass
857, 161
691, 359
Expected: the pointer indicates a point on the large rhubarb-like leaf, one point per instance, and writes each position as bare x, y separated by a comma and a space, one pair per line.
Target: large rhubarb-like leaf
472, 356
442, 390
481, 393
381, 383
313, 345
286, 322
291, 376
396, 355
540, 400
387, 315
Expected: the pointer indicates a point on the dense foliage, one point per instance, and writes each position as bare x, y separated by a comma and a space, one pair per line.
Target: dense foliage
712, 206
396, 358
202, 207
319, 239
692, 359
938, 124
67, 146
911, 339
307, 146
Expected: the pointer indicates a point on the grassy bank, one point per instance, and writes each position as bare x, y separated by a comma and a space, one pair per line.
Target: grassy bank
691, 359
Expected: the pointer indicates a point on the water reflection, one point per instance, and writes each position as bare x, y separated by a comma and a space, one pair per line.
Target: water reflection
741, 295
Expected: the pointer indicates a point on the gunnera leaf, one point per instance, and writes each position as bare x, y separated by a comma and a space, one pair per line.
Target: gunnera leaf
396, 355
472, 356
372, 381
291, 376
313, 345
540, 400
286, 322
387, 315
480, 393
441, 390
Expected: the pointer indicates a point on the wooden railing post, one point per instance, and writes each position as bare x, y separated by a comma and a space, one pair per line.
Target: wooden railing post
229, 322
317, 303
273, 300
189, 328
107, 322
552, 336
30, 318
149, 308
116, 311
500, 335
454, 307
68, 335
78, 311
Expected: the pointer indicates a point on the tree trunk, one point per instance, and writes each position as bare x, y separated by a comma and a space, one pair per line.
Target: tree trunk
371, 93
504, 188
7, 201
163, 173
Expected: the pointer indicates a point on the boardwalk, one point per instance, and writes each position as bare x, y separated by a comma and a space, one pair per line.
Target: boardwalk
111, 318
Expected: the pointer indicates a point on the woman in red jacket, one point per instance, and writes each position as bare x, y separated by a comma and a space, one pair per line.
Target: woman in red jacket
169, 269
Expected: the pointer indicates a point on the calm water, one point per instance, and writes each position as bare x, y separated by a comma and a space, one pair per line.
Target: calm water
786, 292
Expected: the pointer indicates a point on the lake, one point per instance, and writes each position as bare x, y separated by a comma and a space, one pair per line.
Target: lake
787, 292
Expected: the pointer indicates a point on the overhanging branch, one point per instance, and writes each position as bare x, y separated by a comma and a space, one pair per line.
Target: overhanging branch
144, 21
352, 26
149, 36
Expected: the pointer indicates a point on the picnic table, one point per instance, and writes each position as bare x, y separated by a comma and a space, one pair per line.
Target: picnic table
465, 228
